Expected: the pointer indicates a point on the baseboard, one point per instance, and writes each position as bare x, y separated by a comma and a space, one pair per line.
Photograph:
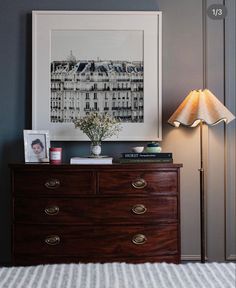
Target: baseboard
190, 257
231, 257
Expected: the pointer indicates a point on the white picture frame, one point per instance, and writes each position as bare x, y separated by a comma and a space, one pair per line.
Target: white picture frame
36, 146
47, 25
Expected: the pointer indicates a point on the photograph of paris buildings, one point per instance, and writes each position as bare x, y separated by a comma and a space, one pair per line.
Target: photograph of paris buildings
97, 71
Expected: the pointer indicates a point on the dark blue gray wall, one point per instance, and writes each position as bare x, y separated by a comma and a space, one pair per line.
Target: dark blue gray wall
15, 83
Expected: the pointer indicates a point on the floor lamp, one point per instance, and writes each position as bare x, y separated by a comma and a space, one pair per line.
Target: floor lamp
199, 107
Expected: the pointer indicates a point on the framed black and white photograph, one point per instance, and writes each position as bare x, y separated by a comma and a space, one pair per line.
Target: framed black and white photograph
104, 62
36, 145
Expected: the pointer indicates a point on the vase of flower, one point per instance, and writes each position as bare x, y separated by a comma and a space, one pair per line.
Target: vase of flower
95, 148
98, 127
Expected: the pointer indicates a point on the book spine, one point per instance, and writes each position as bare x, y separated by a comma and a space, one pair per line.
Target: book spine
91, 162
146, 155
159, 160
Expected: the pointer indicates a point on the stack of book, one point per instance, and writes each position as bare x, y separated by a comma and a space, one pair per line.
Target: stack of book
91, 160
146, 157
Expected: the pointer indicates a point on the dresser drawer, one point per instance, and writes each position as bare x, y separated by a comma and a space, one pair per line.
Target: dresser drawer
137, 182
96, 210
54, 183
87, 241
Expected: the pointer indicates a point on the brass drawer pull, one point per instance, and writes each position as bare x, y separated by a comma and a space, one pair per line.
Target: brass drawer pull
52, 210
52, 183
139, 209
139, 183
139, 239
52, 240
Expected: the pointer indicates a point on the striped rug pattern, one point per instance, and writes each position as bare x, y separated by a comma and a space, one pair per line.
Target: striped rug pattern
121, 275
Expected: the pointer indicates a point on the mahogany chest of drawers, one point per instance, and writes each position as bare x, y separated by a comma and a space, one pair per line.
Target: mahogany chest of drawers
95, 213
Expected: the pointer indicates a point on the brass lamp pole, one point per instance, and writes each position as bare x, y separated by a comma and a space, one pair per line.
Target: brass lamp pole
202, 198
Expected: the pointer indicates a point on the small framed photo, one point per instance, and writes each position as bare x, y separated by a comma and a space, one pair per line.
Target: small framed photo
36, 143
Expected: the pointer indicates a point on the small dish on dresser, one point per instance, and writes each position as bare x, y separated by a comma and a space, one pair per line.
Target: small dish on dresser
137, 149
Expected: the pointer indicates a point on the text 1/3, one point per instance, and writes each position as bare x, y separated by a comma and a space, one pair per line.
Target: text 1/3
217, 11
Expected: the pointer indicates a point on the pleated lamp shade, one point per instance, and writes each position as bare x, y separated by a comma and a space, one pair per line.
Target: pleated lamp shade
200, 105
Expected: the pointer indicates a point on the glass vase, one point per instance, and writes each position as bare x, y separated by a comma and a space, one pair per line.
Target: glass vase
95, 149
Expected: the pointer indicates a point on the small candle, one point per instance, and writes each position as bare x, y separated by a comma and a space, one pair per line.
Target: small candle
55, 155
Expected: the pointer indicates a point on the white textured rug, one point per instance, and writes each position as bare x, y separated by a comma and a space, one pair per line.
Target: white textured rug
114, 275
